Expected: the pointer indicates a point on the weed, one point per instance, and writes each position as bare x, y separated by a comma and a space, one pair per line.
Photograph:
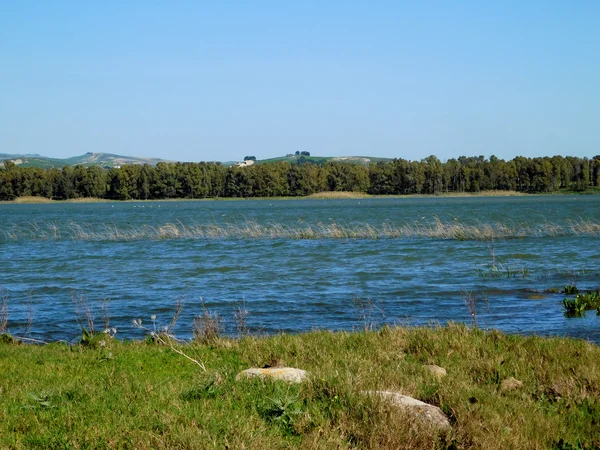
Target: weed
6, 338
282, 408
470, 300
164, 336
240, 318
3, 311
210, 388
42, 400
570, 290
207, 327
365, 310
575, 307
84, 311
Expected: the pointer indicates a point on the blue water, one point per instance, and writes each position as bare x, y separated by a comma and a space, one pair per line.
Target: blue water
51, 254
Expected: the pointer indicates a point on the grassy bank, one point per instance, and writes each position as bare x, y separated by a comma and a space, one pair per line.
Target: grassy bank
144, 395
334, 195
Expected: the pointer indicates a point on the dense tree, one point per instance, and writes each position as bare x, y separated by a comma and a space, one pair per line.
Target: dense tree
204, 180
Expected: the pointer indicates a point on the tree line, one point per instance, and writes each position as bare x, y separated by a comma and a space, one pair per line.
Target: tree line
212, 180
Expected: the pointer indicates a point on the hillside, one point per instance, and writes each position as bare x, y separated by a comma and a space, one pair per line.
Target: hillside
111, 160
89, 159
299, 159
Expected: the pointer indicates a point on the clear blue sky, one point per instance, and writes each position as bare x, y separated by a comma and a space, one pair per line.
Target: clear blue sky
196, 80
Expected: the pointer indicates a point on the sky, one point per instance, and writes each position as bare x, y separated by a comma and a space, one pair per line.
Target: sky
217, 81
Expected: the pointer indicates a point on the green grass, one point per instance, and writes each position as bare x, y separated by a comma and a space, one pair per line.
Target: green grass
141, 395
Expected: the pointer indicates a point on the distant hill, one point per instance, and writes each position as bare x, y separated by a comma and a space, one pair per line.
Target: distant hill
299, 159
109, 160
89, 159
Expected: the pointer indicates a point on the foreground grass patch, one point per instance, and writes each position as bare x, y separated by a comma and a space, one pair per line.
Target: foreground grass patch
141, 395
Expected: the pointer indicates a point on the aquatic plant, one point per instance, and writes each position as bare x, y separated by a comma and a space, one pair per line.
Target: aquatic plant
582, 302
575, 307
502, 271
592, 299
570, 290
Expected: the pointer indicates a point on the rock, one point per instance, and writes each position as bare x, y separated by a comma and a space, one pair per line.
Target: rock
510, 384
275, 373
416, 408
436, 371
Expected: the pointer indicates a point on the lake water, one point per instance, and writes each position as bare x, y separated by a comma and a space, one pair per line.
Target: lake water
299, 265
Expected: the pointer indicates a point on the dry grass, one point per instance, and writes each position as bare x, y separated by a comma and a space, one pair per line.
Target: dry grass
86, 200
30, 199
338, 194
429, 229
26, 200
497, 193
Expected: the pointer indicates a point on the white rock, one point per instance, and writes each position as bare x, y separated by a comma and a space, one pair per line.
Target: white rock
416, 408
276, 373
437, 371
510, 384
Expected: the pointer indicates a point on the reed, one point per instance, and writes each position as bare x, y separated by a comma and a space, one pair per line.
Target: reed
425, 229
337, 194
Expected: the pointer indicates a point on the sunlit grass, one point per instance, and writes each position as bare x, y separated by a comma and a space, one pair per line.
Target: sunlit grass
145, 395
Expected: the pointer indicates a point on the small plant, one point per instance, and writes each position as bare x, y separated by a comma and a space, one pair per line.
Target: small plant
365, 310
583, 301
43, 400
207, 326
592, 299
240, 317
3, 312
575, 307
6, 338
282, 410
470, 300
164, 336
84, 313
570, 290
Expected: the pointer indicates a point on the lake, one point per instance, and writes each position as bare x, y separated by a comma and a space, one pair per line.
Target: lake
298, 265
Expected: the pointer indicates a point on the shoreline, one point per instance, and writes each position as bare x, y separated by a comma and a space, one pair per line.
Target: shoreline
317, 196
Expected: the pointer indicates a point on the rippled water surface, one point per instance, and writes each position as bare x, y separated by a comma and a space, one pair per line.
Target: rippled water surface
303, 264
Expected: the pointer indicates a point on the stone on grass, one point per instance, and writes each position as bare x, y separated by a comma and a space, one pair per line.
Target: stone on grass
436, 371
416, 408
275, 373
510, 384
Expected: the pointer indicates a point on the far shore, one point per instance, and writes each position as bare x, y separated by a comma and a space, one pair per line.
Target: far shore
317, 196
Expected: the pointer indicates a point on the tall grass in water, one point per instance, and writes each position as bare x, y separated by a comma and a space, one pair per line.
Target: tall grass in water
432, 229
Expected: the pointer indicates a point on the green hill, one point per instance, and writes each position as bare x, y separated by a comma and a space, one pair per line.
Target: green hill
89, 159
108, 160
299, 159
